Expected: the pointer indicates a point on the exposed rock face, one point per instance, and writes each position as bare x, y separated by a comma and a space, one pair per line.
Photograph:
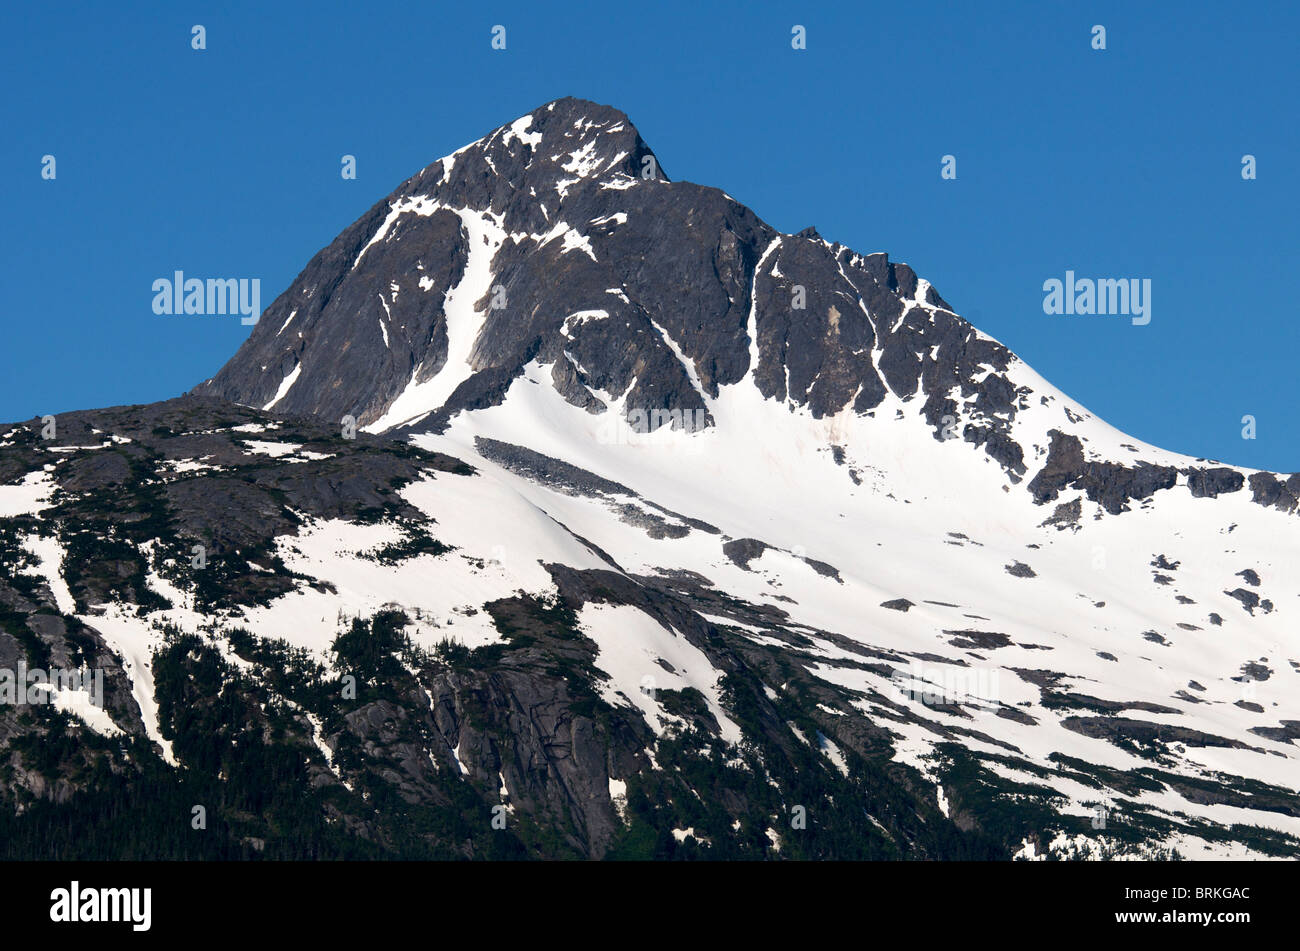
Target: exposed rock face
1111, 485
559, 239
1211, 483
1270, 489
659, 526
415, 759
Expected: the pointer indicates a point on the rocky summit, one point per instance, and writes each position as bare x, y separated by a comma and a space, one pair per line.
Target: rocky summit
559, 509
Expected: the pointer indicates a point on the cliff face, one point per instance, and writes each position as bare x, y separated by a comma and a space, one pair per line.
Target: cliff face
559, 234
660, 533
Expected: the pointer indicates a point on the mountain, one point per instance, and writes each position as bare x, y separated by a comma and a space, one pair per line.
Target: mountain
560, 509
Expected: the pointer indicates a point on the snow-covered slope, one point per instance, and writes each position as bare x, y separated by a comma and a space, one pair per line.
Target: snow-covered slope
766, 488
1087, 638
815, 430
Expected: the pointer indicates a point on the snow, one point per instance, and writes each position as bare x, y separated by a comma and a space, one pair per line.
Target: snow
618, 796
765, 471
285, 385
273, 449
583, 161
501, 540
752, 325
318, 738
484, 238
893, 541
184, 466
580, 317
27, 497
421, 205
49, 554
134, 639
519, 130
718, 619
687, 364
631, 644
573, 241
832, 752
80, 704
444, 594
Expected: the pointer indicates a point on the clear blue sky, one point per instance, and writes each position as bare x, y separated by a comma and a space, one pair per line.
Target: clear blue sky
1122, 163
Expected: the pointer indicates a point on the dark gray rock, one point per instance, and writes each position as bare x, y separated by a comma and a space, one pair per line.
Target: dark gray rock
1211, 483
898, 604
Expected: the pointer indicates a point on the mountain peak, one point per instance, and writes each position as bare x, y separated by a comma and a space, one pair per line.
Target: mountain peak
680, 475
572, 107
552, 251
546, 154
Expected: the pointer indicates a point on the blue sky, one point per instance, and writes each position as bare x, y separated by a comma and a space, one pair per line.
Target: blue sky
1117, 163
